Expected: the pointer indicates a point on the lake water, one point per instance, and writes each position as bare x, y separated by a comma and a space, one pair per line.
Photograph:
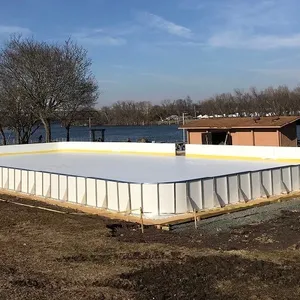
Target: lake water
163, 133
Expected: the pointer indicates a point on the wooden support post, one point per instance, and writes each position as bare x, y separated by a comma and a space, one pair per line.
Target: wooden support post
142, 221
195, 219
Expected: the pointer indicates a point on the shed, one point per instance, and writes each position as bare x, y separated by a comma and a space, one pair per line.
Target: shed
257, 131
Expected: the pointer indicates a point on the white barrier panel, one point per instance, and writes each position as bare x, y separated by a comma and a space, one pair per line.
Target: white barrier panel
150, 203
233, 187
245, 186
18, 180
101, 193
112, 196
54, 186
222, 192
124, 203
11, 179
91, 192
62, 188
266, 181
39, 183
277, 182
166, 193
256, 185
1, 177
194, 195
208, 193
180, 198
5, 178
287, 178
31, 182
81, 190
46, 185
73, 187
25, 187
295, 178
143, 148
136, 197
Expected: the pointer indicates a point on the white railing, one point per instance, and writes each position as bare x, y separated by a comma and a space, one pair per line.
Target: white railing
155, 199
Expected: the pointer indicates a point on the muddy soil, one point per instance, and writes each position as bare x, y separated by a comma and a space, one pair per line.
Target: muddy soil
70, 255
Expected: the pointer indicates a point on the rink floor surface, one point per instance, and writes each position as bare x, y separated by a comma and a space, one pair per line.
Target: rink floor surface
132, 168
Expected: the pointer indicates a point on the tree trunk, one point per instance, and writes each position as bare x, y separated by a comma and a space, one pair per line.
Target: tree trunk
3, 135
68, 132
47, 126
17, 137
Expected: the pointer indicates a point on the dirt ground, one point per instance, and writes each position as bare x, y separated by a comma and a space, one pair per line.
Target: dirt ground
64, 254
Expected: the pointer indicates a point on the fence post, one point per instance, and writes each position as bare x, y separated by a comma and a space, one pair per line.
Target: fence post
195, 218
142, 197
142, 221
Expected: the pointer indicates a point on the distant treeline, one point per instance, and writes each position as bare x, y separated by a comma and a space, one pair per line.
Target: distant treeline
270, 101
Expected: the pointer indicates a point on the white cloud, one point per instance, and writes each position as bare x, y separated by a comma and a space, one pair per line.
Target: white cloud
102, 41
259, 42
98, 37
181, 44
8, 30
160, 23
259, 25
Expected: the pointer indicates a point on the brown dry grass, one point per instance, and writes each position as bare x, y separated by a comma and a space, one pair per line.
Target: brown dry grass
47, 255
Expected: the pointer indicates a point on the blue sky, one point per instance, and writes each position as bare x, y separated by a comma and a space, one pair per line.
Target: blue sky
157, 49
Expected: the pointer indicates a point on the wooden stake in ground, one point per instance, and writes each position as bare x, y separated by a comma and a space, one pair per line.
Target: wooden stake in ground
195, 219
142, 221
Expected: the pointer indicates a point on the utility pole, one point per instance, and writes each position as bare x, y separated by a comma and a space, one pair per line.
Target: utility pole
183, 130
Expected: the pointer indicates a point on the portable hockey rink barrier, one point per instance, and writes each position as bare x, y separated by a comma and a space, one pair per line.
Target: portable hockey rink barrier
157, 200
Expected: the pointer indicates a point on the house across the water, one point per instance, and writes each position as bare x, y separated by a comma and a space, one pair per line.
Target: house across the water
257, 131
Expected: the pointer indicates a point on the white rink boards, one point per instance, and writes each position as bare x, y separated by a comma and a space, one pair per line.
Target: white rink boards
161, 185
132, 168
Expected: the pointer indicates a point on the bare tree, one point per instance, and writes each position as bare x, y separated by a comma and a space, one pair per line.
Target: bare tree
16, 114
82, 97
47, 75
